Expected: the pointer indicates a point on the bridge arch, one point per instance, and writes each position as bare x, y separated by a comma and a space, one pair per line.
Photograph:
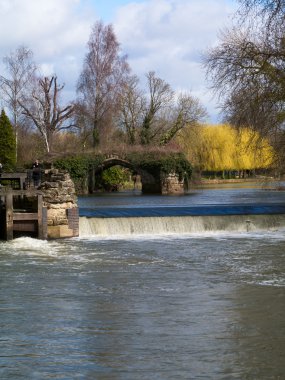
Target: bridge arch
152, 182
113, 161
109, 162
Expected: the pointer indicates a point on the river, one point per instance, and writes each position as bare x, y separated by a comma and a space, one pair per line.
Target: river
202, 305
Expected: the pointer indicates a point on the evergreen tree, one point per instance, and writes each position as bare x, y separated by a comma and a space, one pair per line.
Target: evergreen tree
7, 143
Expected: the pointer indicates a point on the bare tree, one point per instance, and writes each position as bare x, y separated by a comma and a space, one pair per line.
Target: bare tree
187, 112
44, 110
247, 70
103, 75
270, 11
132, 106
160, 96
154, 117
20, 70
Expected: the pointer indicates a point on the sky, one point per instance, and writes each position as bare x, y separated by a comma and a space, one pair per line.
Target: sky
165, 36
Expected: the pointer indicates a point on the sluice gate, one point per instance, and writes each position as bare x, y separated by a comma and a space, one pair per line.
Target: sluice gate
22, 214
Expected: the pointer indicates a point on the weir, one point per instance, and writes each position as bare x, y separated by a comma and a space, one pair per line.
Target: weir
180, 220
50, 212
177, 225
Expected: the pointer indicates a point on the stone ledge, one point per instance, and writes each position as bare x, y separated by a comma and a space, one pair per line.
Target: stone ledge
57, 232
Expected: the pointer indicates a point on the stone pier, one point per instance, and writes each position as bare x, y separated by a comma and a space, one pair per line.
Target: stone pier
165, 184
172, 184
60, 202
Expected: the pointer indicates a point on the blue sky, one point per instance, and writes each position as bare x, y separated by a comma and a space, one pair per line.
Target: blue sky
167, 36
108, 8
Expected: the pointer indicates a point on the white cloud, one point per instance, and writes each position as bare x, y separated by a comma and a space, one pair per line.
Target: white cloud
43, 24
55, 30
169, 36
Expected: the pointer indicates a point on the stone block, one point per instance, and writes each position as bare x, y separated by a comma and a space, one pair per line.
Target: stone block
57, 232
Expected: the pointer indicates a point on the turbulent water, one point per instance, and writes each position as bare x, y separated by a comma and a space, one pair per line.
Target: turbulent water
199, 305
133, 226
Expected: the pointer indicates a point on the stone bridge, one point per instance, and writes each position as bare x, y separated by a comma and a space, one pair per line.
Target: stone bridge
152, 181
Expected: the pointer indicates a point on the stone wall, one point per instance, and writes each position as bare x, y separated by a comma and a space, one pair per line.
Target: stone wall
60, 201
171, 184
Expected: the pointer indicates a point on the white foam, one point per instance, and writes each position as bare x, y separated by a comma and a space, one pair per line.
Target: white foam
198, 226
33, 247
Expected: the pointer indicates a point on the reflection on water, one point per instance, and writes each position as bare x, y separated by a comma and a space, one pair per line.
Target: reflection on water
207, 306
220, 194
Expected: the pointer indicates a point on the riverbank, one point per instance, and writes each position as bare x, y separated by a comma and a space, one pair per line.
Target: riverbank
263, 182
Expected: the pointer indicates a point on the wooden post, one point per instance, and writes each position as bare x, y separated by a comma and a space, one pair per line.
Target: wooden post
9, 216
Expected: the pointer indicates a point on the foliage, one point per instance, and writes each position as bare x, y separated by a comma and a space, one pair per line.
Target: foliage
78, 166
158, 163
253, 152
221, 147
7, 143
113, 178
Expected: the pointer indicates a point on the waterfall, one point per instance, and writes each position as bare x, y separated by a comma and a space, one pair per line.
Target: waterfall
166, 225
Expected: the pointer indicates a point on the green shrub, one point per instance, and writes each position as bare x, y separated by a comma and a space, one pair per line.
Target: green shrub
7, 143
158, 163
112, 179
77, 167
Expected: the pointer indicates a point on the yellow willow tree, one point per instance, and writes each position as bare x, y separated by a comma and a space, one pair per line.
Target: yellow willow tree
220, 142
209, 147
191, 141
222, 148
252, 151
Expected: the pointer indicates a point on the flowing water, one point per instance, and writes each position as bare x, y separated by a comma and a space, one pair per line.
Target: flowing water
150, 304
